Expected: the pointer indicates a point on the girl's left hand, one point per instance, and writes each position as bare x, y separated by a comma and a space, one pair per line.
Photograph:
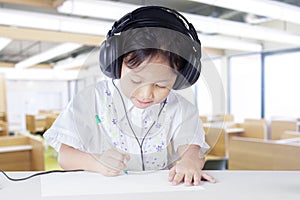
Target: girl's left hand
189, 171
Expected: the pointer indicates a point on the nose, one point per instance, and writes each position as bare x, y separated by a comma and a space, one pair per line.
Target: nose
146, 92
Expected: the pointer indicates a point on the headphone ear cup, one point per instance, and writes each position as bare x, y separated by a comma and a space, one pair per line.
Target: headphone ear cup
110, 59
189, 74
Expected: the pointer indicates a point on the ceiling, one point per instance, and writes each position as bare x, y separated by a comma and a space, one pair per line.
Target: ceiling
27, 41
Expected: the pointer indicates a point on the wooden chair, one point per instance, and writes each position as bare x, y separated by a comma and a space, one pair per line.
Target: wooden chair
218, 135
21, 153
3, 116
203, 119
216, 139
278, 127
254, 130
49, 120
216, 158
3, 128
259, 121
258, 154
35, 123
226, 117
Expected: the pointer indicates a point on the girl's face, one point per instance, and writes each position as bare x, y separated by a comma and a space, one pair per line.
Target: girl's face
149, 83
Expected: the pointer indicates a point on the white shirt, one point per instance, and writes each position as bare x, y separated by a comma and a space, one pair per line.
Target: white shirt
160, 128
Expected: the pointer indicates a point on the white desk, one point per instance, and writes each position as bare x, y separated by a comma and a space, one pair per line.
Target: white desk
232, 185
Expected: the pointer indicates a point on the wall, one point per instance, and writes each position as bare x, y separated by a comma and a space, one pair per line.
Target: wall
2, 94
29, 97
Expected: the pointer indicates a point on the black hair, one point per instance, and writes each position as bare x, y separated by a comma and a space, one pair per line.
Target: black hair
141, 39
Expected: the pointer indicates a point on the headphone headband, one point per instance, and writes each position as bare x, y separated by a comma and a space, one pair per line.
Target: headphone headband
132, 20
172, 24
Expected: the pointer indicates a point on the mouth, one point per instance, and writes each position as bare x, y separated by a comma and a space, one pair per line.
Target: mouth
143, 103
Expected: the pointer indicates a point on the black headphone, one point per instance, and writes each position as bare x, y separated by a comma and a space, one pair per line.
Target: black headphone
152, 16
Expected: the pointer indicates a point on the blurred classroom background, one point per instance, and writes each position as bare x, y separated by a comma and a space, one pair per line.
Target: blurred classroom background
248, 94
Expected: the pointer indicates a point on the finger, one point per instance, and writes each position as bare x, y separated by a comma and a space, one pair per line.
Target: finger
111, 172
116, 155
106, 171
172, 174
107, 165
126, 158
119, 165
208, 178
113, 164
197, 178
121, 157
188, 179
178, 178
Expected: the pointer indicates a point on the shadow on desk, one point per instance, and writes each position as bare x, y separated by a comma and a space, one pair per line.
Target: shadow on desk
216, 164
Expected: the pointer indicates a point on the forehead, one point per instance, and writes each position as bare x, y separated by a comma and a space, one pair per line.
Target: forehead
153, 71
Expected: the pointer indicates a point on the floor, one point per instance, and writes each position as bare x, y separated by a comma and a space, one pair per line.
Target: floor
51, 159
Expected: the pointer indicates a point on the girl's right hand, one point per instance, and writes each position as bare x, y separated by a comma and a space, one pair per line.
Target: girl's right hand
111, 162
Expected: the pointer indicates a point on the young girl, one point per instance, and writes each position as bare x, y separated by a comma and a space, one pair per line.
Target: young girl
134, 120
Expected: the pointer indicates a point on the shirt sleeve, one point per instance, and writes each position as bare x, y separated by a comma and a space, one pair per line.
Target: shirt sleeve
188, 127
74, 126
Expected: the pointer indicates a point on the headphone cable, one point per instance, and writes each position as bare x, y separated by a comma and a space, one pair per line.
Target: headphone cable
138, 141
39, 174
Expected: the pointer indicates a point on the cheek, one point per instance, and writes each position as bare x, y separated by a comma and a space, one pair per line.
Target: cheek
161, 95
127, 87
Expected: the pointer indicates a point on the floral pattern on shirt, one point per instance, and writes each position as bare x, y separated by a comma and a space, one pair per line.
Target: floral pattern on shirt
154, 144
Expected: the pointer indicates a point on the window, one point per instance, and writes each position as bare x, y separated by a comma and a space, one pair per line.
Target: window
282, 81
210, 89
245, 86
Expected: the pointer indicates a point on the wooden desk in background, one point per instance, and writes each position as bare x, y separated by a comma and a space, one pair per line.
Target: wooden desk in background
19, 153
259, 154
233, 185
290, 134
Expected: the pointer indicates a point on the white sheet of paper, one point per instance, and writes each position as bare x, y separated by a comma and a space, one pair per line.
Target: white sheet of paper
87, 183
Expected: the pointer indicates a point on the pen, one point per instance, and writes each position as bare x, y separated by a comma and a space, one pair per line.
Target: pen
98, 119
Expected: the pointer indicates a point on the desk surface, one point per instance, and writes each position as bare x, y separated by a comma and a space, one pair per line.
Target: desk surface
15, 148
233, 185
234, 130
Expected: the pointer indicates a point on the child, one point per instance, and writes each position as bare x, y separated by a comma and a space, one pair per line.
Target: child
133, 120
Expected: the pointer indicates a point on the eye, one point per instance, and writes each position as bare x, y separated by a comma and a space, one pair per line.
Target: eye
135, 81
160, 86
